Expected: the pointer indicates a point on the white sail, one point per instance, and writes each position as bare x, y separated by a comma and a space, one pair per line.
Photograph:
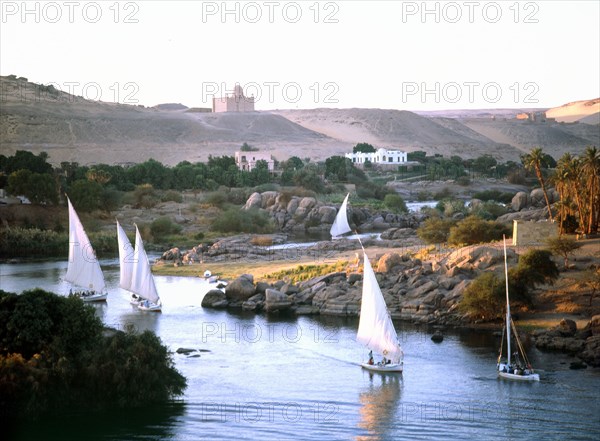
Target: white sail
142, 281
83, 269
126, 256
375, 329
340, 224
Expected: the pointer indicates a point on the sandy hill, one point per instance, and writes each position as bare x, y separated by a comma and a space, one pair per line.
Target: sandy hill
586, 111
71, 128
400, 129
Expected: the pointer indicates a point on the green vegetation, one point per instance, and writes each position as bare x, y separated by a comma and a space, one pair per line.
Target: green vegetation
363, 147
306, 272
563, 246
473, 230
55, 356
28, 242
395, 203
162, 227
435, 230
485, 297
235, 220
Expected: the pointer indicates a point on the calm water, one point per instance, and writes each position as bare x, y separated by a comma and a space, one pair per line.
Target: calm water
271, 379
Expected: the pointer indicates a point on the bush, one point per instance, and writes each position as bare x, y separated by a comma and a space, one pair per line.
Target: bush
473, 230
215, 199
494, 195
488, 210
395, 203
242, 221
171, 195
484, 297
539, 267
145, 196
54, 357
435, 230
163, 226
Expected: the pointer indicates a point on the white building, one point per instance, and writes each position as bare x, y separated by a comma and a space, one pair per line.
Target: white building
235, 102
246, 161
380, 157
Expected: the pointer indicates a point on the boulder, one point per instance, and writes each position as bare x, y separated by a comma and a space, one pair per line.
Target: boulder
215, 298
520, 201
567, 327
276, 301
327, 214
172, 254
268, 198
254, 201
595, 325
240, 289
388, 261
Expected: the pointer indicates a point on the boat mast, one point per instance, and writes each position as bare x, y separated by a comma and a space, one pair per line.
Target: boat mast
507, 303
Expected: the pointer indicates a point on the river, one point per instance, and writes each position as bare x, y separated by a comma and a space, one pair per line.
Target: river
262, 377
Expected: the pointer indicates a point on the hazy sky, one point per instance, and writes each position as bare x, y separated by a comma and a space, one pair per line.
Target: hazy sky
306, 54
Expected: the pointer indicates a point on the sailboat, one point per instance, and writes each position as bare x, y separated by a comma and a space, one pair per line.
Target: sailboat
83, 269
375, 329
136, 275
340, 224
513, 368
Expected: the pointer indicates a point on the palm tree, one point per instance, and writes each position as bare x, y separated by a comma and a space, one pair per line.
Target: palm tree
590, 167
535, 161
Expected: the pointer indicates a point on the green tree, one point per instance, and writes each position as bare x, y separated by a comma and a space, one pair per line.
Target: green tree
563, 246
86, 195
363, 147
308, 177
25, 160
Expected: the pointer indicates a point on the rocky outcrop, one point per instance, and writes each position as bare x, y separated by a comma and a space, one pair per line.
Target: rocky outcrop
302, 214
585, 344
215, 298
276, 301
240, 289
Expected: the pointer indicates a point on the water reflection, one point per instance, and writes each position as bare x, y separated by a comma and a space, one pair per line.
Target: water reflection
156, 423
379, 403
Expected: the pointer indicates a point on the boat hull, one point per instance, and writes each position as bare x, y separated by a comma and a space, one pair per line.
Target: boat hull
517, 377
392, 367
152, 308
95, 298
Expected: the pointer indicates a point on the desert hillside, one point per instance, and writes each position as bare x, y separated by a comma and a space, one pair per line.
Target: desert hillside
586, 111
70, 128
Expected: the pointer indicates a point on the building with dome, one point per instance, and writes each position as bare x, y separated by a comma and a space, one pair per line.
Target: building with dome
235, 102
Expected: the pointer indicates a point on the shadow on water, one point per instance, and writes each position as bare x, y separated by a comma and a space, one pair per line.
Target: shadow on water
155, 423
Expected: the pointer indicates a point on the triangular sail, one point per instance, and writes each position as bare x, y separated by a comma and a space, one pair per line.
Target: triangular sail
340, 224
375, 329
83, 269
126, 258
508, 320
142, 281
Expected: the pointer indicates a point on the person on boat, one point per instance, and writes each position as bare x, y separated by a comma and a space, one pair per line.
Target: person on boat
371, 361
384, 361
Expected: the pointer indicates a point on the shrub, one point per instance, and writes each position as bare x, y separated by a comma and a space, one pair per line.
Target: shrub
163, 226
145, 196
54, 357
435, 230
488, 210
473, 230
395, 203
494, 195
171, 195
215, 199
538, 266
483, 297
242, 221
